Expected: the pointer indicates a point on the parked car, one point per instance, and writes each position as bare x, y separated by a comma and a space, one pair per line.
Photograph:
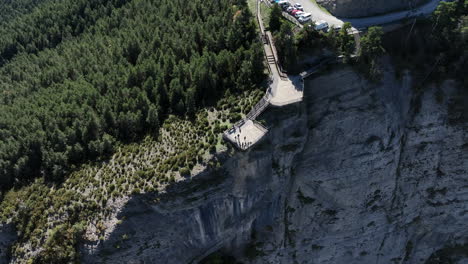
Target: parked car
321, 25
298, 6
290, 9
298, 14
285, 5
305, 17
295, 11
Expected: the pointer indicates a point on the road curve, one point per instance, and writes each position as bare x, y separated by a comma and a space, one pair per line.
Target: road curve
364, 22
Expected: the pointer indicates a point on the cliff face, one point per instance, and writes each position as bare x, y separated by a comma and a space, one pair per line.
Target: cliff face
382, 178
7, 237
358, 173
363, 8
220, 209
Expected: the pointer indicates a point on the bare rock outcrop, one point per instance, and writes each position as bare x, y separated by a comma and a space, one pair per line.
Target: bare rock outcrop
363, 8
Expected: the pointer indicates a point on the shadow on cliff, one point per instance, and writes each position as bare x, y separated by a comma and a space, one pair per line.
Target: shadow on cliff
221, 208
145, 216
193, 218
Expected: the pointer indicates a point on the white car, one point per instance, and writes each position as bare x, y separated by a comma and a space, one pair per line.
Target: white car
298, 6
298, 14
305, 17
321, 25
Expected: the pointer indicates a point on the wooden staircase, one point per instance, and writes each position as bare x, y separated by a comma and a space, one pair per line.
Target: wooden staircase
271, 59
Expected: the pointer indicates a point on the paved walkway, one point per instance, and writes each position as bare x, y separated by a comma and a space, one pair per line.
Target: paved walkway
246, 134
287, 91
283, 90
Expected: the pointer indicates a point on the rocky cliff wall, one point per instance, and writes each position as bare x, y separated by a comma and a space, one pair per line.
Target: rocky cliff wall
7, 238
357, 173
363, 8
382, 178
220, 210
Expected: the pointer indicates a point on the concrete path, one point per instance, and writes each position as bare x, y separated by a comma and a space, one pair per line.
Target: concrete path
246, 134
287, 91
283, 90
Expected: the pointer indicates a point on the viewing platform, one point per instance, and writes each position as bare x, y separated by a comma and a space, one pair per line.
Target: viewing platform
246, 134
283, 90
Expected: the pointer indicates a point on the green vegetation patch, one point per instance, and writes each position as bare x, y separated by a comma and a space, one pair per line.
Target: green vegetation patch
113, 98
79, 76
52, 219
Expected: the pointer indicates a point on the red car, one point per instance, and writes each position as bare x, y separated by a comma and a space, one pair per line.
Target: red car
295, 11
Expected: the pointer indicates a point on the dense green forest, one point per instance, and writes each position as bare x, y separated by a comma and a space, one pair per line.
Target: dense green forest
78, 76
48, 25
10, 9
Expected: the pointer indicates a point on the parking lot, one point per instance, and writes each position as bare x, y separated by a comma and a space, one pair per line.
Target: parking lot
364, 22
306, 11
310, 13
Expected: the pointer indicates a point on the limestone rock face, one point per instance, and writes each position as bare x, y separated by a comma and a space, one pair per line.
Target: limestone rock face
363, 8
7, 238
357, 173
382, 177
221, 209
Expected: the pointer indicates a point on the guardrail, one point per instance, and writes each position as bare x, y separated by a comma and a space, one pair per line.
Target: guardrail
291, 19
267, 39
317, 67
261, 127
259, 107
290, 102
282, 73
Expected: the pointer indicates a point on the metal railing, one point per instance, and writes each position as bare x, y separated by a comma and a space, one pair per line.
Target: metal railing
291, 19
282, 73
261, 127
259, 107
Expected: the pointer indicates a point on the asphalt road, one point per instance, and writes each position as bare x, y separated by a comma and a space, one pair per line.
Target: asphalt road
361, 23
